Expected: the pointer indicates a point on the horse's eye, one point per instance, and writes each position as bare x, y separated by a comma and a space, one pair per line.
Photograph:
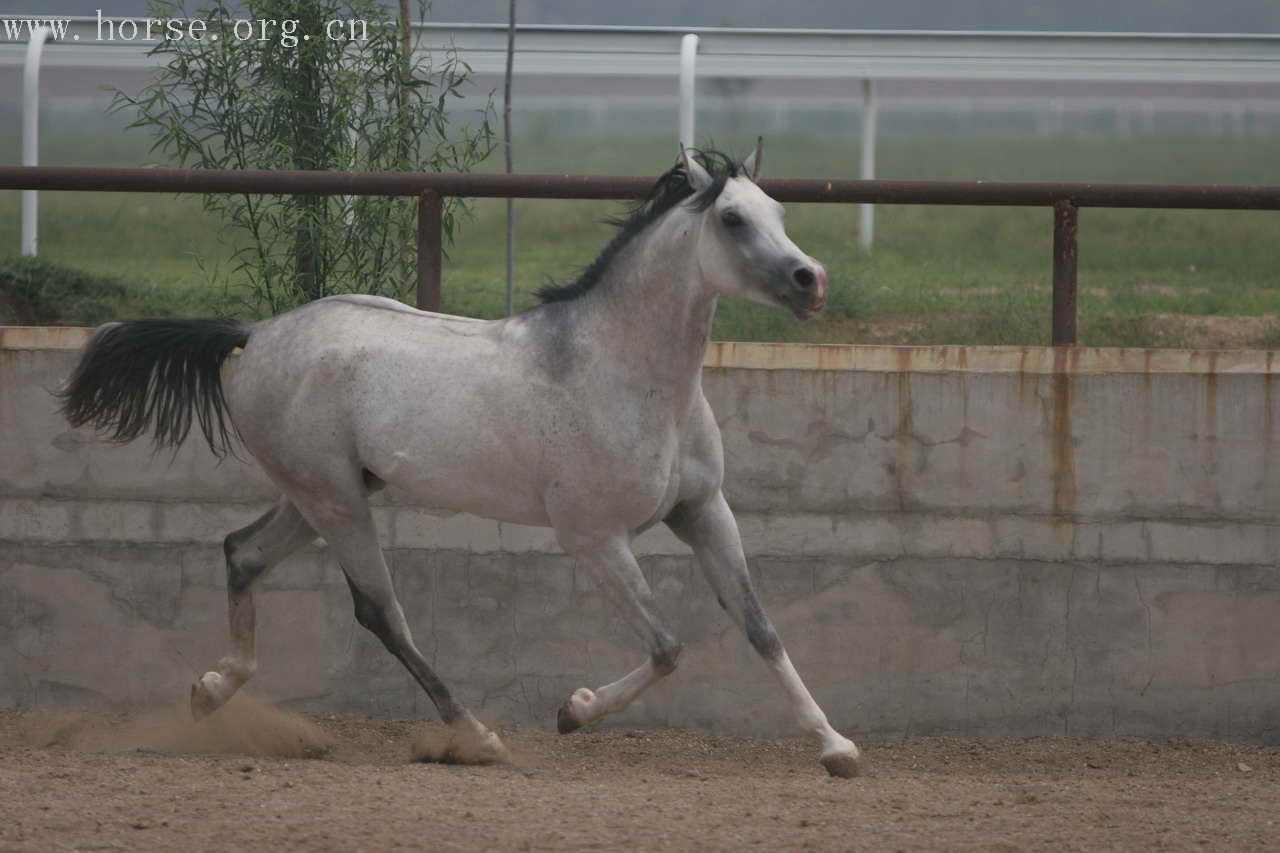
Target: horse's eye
731, 219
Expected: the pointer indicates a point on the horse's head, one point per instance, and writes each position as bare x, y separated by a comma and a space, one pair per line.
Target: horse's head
744, 249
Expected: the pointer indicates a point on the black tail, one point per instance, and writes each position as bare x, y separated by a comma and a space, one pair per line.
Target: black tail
153, 375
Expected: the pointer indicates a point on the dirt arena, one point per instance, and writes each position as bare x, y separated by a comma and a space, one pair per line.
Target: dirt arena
252, 777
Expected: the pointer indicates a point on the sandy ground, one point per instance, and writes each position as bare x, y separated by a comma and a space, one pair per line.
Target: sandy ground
241, 781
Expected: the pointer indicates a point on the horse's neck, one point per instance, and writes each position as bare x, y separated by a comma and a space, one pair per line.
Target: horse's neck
654, 313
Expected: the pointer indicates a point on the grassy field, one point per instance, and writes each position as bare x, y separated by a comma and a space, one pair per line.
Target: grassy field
936, 275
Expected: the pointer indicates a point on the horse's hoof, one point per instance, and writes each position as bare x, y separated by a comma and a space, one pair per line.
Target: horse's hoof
204, 696
843, 765
575, 710
467, 743
493, 751
565, 721
469, 748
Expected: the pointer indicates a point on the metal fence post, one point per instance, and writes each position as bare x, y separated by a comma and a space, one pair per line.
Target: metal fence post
870, 118
1065, 255
688, 84
430, 249
31, 136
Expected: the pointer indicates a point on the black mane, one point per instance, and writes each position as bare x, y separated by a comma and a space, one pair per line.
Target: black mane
668, 191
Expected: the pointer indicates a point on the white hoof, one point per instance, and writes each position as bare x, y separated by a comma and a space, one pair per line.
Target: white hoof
465, 742
844, 762
208, 694
490, 750
576, 711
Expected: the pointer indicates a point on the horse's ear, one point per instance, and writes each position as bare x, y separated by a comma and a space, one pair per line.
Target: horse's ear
751, 165
699, 178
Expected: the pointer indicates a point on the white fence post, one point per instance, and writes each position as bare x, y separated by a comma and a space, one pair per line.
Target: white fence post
870, 109
31, 133
688, 58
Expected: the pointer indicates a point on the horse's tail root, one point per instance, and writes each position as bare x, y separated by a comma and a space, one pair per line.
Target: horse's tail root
155, 376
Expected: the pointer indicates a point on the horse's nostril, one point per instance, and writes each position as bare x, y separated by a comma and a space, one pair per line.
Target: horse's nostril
804, 277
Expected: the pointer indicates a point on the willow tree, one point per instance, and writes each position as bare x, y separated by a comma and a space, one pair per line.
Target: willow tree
310, 84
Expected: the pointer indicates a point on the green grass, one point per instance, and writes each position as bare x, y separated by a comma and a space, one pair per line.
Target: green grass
36, 291
937, 274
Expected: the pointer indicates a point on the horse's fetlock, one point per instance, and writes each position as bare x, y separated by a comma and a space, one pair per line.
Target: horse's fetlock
666, 657
238, 669
243, 570
244, 564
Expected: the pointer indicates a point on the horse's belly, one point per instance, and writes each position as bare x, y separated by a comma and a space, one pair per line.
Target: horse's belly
466, 485
528, 488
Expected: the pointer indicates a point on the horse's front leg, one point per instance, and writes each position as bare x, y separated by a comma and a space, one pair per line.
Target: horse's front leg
711, 530
615, 565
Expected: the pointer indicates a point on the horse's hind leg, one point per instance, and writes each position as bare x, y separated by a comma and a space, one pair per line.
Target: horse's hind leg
712, 532
250, 552
616, 566
347, 525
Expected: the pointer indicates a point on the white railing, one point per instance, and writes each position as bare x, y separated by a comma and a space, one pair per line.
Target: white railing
688, 79
863, 55
31, 135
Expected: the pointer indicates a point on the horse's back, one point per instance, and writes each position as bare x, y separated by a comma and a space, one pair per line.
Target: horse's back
383, 303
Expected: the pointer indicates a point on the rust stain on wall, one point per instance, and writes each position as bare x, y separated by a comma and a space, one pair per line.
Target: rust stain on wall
1023, 352
1211, 395
1266, 400
1268, 429
1064, 460
827, 359
1208, 440
902, 445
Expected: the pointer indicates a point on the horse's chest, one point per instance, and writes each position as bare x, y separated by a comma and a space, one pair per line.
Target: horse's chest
618, 460
648, 465
650, 471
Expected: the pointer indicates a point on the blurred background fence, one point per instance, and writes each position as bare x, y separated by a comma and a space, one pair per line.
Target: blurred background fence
1152, 108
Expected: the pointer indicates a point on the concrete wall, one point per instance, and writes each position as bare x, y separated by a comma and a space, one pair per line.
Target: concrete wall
951, 540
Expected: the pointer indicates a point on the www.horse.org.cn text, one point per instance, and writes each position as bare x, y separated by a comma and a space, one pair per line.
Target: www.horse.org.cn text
287, 32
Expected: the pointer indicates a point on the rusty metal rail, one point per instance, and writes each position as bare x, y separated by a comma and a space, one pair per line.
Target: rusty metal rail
1065, 199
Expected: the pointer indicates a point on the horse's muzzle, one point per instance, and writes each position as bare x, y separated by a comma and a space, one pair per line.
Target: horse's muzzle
808, 293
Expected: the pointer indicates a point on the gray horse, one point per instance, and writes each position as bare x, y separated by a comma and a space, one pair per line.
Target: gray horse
584, 414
